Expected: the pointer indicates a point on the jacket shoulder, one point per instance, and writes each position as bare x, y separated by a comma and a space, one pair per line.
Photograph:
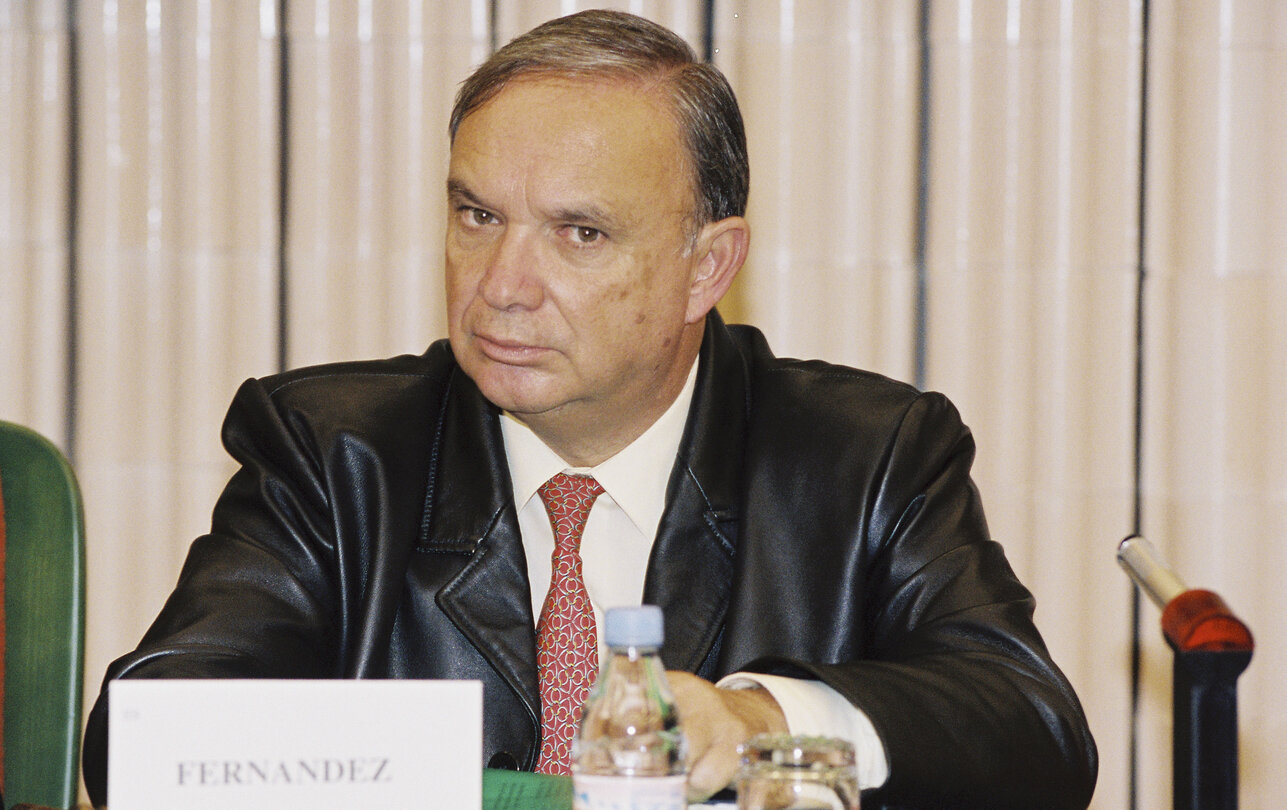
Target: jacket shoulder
435, 363
386, 400
814, 424
818, 397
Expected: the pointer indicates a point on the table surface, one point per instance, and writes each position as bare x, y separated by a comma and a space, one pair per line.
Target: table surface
505, 790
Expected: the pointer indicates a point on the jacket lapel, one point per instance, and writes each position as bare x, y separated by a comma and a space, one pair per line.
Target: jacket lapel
469, 509
690, 569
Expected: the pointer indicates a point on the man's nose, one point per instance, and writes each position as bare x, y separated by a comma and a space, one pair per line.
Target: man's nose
511, 279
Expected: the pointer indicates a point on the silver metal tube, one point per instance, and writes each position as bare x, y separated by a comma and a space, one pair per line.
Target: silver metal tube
1147, 568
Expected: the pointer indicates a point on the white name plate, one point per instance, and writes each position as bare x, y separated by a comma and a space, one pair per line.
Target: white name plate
294, 745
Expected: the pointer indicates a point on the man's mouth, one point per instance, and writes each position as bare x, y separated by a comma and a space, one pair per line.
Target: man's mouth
508, 351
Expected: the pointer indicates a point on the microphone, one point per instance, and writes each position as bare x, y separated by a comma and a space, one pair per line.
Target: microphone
1192, 619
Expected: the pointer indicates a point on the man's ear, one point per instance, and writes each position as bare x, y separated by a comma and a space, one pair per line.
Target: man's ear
720, 252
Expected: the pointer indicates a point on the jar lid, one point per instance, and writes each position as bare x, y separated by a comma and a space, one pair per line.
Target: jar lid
804, 752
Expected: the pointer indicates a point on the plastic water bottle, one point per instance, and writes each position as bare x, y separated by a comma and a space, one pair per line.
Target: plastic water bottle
630, 753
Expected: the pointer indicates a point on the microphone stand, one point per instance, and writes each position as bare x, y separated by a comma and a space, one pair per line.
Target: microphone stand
1212, 648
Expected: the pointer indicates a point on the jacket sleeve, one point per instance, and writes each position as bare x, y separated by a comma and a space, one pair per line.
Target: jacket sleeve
913, 613
255, 597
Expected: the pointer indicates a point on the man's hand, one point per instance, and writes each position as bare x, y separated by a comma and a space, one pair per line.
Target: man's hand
715, 722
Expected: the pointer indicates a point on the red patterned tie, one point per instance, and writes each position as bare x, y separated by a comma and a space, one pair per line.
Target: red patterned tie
567, 651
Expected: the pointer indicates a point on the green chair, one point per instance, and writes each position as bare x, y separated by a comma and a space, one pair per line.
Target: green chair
42, 531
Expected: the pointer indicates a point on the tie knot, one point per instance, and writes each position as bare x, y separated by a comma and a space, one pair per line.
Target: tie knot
568, 499
570, 492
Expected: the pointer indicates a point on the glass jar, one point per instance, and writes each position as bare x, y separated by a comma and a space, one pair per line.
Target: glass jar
784, 772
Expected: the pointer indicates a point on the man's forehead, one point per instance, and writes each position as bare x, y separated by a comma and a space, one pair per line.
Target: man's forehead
609, 106
588, 84
583, 132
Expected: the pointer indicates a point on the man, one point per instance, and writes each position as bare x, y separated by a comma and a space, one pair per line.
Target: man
810, 531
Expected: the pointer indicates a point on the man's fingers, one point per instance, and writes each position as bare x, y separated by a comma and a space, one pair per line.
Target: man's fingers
702, 713
711, 772
715, 722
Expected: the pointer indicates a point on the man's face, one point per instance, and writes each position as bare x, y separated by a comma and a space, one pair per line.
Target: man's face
568, 260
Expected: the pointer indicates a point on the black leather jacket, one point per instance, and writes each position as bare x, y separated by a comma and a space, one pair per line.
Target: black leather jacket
820, 523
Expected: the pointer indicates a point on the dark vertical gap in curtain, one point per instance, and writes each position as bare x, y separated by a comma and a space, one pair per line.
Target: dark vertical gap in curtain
72, 370
920, 315
493, 14
708, 31
283, 186
1137, 519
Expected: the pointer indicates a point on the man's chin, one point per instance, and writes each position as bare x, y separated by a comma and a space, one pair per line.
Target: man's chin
518, 390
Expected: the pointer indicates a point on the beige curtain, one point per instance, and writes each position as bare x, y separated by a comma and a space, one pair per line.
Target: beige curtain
946, 192
34, 216
1215, 484
1033, 133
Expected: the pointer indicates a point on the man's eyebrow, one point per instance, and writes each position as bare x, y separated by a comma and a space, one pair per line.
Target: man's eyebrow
590, 214
457, 190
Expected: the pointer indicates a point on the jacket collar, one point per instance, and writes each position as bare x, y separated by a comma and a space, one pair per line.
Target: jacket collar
690, 571
469, 510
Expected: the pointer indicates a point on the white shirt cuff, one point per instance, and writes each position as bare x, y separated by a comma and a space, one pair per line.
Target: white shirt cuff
813, 708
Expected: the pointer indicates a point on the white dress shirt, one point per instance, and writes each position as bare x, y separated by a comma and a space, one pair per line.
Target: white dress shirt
614, 553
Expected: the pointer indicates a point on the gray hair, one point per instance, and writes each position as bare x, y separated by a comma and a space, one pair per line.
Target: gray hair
602, 43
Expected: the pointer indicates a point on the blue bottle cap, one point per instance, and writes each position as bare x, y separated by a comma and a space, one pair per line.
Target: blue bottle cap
633, 626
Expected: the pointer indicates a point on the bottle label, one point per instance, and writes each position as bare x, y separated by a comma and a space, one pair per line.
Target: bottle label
595, 792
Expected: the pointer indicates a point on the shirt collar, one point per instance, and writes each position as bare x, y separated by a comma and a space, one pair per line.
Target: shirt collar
636, 477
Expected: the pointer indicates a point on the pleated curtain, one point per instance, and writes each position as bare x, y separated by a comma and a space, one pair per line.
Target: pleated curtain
1070, 217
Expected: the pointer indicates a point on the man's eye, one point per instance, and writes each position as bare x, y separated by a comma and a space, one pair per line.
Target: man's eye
585, 235
477, 216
